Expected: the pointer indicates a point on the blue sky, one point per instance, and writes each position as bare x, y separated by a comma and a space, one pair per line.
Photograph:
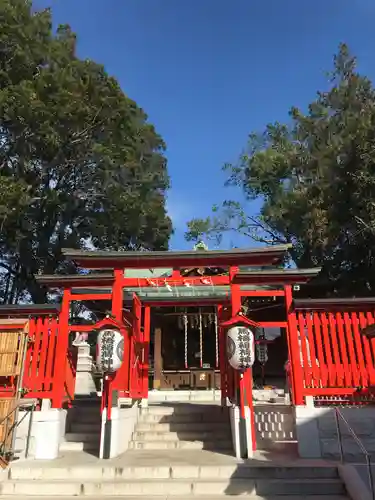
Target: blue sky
208, 72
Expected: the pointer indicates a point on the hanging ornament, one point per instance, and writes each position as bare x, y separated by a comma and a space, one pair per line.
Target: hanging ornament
168, 286
200, 338
110, 350
240, 347
186, 338
180, 322
262, 353
216, 341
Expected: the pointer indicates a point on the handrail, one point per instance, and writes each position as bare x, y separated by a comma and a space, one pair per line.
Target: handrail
10, 432
338, 415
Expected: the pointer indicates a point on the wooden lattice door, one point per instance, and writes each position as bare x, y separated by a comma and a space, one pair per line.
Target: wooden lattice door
13, 345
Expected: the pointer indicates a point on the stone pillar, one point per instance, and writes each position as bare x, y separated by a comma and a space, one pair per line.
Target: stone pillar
85, 385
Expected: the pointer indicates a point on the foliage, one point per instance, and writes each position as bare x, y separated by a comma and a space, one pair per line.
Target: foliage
79, 162
316, 178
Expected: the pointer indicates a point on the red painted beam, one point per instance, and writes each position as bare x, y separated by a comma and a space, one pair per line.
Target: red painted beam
273, 324
175, 281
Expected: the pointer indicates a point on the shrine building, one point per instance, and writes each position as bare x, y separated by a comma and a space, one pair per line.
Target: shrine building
221, 324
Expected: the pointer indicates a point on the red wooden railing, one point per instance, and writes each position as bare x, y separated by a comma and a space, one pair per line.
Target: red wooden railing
334, 357
70, 374
39, 377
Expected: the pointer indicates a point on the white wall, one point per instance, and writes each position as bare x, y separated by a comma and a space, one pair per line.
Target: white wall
47, 431
317, 432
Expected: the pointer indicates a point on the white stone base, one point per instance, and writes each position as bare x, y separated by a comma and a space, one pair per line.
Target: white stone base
123, 424
47, 431
238, 438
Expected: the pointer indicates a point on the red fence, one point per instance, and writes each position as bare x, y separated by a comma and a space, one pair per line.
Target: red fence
330, 354
39, 379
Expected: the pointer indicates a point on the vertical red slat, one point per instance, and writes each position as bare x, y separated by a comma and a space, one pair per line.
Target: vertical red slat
366, 346
296, 371
62, 343
371, 321
344, 354
304, 355
36, 354
327, 347
146, 344
336, 353
359, 349
43, 353
30, 348
311, 337
320, 349
50, 362
352, 352
222, 356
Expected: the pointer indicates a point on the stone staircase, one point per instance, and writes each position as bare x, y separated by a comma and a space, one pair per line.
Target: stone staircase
178, 451
178, 482
83, 426
183, 427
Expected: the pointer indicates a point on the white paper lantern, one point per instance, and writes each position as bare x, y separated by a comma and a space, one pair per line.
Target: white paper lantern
240, 347
110, 350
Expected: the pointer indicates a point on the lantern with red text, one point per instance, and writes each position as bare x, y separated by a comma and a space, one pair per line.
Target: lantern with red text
110, 350
240, 347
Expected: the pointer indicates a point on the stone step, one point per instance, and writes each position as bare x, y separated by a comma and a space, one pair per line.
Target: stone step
68, 446
84, 437
89, 410
184, 409
188, 487
192, 435
184, 418
36, 472
85, 427
185, 497
180, 444
183, 426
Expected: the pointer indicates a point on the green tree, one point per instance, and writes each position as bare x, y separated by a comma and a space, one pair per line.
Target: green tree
79, 162
316, 178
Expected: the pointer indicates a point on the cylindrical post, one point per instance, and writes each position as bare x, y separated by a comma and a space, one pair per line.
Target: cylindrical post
62, 344
296, 371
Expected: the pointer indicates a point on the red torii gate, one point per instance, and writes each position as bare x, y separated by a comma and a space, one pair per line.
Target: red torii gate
132, 378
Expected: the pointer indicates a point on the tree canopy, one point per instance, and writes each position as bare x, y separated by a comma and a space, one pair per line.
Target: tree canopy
79, 162
315, 176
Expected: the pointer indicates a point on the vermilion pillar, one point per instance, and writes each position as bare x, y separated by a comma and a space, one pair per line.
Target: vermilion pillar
296, 374
243, 381
62, 345
146, 349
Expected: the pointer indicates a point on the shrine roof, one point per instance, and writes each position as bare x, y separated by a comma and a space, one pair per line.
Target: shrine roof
276, 276
270, 255
29, 310
75, 280
335, 304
